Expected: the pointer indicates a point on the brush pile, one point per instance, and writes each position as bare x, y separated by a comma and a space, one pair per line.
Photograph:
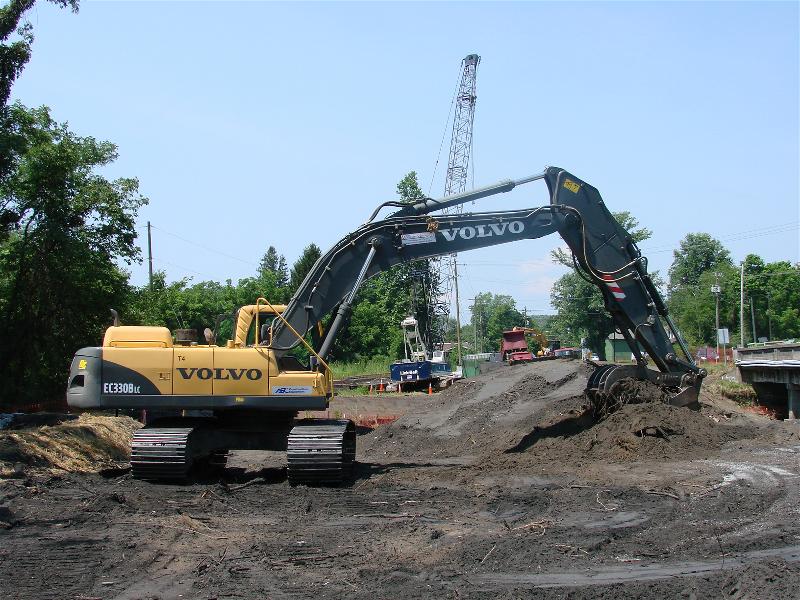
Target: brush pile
89, 443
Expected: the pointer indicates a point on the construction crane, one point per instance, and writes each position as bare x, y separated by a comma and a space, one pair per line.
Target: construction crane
445, 269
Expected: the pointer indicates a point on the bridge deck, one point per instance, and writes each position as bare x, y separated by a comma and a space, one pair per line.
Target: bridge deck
774, 372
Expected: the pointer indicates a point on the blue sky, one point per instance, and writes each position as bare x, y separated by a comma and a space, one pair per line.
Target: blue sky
257, 124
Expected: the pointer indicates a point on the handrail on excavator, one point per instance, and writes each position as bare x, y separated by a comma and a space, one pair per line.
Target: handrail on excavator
292, 329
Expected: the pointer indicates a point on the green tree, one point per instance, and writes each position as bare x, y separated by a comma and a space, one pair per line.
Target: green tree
16, 37
273, 267
693, 306
772, 296
408, 188
580, 313
282, 273
303, 265
58, 265
781, 288
697, 253
491, 314
181, 304
15, 53
580, 308
269, 262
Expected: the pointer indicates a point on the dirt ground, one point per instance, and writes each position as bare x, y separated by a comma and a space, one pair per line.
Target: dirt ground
499, 487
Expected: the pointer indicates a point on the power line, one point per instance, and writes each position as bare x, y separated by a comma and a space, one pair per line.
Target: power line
733, 237
444, 133
181, 267
206, 248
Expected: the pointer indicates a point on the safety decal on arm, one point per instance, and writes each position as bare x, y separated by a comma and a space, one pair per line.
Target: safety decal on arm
614, 287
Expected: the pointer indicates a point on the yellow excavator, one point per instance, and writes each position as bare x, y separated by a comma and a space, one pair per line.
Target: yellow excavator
203, 400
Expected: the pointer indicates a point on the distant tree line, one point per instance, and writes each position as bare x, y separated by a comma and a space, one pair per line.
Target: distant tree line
771, 303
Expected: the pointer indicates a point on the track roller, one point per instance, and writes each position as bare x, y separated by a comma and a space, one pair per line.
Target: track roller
321, 451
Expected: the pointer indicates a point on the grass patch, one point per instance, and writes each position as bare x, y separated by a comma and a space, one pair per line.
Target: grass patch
738, 392
361, 390
371, 366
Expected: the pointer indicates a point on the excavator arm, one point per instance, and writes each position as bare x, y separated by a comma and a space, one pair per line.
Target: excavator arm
604, 253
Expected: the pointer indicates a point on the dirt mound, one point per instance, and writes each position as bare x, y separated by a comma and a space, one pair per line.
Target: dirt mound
539, 415
485, 416
635, 432
89, 443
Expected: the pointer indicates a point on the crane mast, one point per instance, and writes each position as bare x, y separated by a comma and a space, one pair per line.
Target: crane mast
461, 141
445, 269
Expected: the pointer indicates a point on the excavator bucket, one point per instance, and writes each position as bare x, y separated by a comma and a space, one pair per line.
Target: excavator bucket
612, 386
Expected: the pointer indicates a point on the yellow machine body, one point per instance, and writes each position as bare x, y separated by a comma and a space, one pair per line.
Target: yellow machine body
142, 367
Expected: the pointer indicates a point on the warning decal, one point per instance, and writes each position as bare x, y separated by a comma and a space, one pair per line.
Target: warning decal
614, 287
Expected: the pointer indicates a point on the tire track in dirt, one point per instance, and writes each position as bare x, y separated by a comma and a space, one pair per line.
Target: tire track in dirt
637, 573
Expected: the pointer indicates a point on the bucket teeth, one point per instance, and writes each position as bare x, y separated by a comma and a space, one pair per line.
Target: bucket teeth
321, 451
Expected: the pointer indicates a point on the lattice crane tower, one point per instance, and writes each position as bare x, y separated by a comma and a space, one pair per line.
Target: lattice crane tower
461, 142
456, 182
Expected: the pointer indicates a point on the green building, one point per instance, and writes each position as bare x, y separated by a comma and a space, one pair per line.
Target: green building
617, 349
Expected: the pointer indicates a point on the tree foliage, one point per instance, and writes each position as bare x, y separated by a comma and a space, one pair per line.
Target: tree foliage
15, 53
273, 267
16, 37
771, 298
58, 261
303, 265
183, 305
693, 306
774, 291
491, 314
697, 253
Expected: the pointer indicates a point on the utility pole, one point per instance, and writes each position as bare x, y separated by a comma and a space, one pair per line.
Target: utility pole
715, 289
741, 306
753, 317
769, 316
150, 254
475, 317
458, 316
475, 323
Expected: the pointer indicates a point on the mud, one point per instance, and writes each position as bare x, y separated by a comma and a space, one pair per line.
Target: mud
497, 488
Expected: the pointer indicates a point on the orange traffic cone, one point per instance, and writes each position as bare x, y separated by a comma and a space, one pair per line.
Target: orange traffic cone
380, 387
430, 388
399, 388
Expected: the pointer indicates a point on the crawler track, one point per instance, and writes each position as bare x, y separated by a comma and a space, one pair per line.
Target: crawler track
321, 451
161, 453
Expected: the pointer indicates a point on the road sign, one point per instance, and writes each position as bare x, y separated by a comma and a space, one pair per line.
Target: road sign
715, 289
723, 337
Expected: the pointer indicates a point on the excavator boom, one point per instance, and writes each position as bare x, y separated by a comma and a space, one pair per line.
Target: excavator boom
604, 254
